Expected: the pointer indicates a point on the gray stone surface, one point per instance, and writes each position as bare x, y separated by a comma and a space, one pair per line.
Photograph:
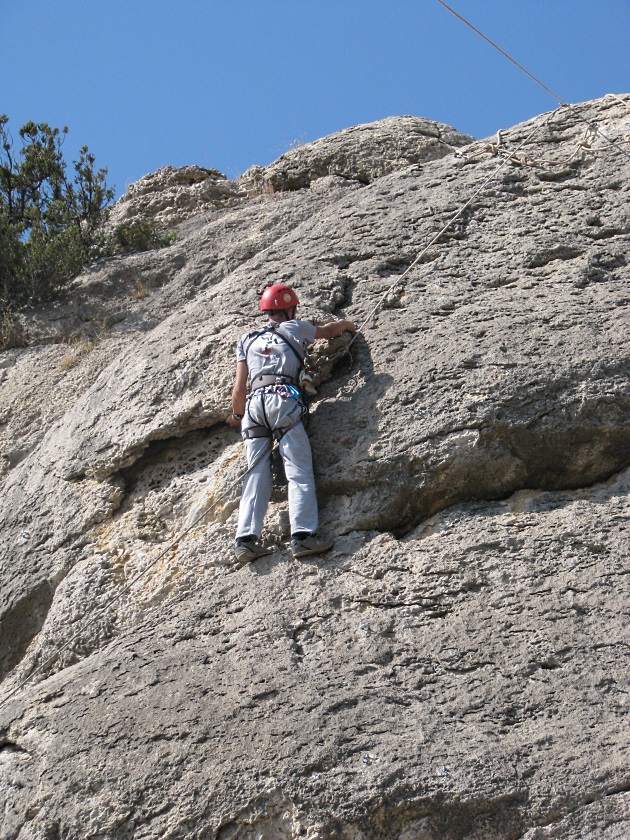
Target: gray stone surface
358, 154
170, 195
457, 665
362, 153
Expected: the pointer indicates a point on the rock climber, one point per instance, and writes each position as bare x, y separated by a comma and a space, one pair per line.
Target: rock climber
272, 358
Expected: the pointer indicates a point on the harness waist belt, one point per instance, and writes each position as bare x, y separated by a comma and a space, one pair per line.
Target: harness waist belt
264, 380
264, 432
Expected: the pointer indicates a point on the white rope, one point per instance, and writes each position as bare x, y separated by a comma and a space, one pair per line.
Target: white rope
508, 158
619, 100
565, 104
443, 230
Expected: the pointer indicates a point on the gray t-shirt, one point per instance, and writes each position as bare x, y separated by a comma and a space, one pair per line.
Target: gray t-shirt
269, 354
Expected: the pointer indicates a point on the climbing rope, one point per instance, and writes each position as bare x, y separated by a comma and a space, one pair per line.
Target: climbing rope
558, 98
388, 291
497, 150
620, 100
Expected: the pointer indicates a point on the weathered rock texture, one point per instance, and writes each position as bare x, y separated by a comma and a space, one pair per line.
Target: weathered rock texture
363, 153
171, 195
359, 154
457, 667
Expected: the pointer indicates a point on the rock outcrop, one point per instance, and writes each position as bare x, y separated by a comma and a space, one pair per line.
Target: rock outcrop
457, 666
362, 153
359, 154
171, 195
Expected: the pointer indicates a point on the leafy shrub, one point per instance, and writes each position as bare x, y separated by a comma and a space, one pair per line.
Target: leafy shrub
51, 224
11, 332
139, 235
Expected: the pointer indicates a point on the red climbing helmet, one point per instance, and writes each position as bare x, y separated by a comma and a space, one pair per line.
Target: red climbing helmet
278, 297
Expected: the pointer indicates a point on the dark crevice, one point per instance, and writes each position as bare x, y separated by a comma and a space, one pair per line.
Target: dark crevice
504, 816
564, 173
547, 255
394, 266
344, 261
7, 747
569, 488
22, 623
573, 808
163, 460
298, 649
606, 233
505, 460
158, 464
156, 467
193, 448
624, 788
342, 705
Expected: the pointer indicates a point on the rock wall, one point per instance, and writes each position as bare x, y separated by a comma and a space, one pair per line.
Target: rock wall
457, 666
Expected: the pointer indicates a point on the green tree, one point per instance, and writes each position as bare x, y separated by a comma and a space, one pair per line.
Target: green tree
51, 224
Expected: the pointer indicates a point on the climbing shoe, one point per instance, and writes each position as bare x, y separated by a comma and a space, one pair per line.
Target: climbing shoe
249, 550
309, 545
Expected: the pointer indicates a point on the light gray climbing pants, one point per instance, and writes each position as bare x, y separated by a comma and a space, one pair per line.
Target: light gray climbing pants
295, 449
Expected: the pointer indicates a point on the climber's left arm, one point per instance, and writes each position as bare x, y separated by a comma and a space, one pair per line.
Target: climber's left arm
335, 328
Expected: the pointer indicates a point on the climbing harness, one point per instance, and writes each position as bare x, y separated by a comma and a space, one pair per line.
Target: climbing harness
272, 383
279, 382
306, 369
269, 429
264, 380
288, 339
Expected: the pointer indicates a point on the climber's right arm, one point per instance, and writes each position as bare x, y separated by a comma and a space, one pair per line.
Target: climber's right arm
239, 395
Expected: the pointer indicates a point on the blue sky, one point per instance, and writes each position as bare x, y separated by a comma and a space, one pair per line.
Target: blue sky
230, 83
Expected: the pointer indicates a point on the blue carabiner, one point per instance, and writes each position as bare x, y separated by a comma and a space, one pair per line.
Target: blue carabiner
286, 391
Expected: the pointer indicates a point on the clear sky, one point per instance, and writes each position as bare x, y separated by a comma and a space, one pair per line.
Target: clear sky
230, 83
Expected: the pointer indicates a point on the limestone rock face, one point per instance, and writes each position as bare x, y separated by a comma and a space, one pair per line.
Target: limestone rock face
456, 667
170, 195
362, 153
